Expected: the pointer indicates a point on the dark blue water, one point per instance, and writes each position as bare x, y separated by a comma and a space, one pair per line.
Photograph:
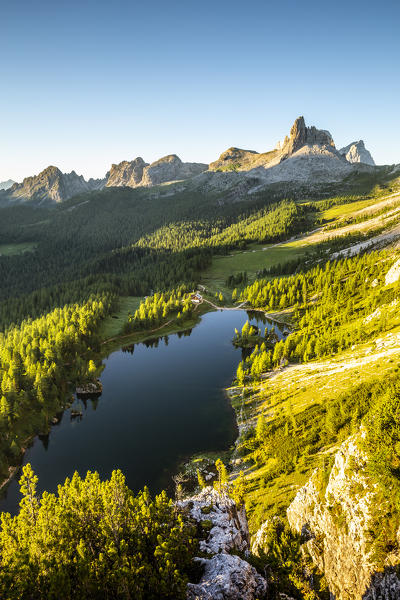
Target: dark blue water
159, 406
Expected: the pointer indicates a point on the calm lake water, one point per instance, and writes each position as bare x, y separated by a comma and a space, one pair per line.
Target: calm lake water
160, 404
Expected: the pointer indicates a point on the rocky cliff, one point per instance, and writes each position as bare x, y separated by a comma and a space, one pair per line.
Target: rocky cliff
126, 173
300, 136
356, 152
51, 185
225, 575
138, 173
336, 519
307, 155
5, 185
170, 168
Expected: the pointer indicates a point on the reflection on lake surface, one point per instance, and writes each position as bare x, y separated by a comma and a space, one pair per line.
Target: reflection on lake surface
162, 401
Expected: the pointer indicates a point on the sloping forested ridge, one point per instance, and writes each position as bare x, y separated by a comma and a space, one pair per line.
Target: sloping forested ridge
37, 359
329, 305
83, 261
343, 308
126, 243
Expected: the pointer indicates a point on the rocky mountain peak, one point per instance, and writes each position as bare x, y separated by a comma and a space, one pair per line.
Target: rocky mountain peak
234, 157
300, 135
126, 173
170, 168
356, 152
50, 185
5, 185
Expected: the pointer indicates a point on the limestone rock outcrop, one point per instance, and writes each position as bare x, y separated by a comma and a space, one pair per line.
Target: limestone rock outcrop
393, 274
126, 173
337, 523
170, 168
356, 152
5, 185
300, 136
307, 156
234, 158
51, 185
139, 173
225, 576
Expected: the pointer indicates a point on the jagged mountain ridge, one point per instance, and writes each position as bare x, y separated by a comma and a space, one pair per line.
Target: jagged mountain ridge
52, 185
5, 185
308, 155
356, 152
139, 173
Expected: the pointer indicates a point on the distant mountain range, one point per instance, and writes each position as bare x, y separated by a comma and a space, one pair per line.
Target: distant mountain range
306, 155
4, 185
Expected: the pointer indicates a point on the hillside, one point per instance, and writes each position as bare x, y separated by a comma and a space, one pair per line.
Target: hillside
316, 426
323, 261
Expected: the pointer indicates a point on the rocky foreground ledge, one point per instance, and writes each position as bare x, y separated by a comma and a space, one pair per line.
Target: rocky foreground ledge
337, 524
226, 576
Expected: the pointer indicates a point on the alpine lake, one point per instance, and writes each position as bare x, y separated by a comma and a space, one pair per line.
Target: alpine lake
162, 402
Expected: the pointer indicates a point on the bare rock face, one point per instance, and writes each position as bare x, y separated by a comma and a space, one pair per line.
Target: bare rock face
139, 173
337, 522
393, 274
356, 152
170, 168
225, 577
300, 135
229, 524
51, 185
307, 156
5, 185
126, 173
234, 158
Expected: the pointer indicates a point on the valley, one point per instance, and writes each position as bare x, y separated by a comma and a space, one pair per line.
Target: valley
102, 286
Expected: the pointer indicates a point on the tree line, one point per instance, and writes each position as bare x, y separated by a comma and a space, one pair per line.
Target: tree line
37, 359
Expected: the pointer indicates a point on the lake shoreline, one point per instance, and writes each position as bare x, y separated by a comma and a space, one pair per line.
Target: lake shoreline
122, 342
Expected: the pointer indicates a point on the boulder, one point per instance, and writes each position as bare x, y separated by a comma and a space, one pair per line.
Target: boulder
227, 577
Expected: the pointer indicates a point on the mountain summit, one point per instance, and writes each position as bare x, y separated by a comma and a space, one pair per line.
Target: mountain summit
163, 170
300, 136
51, 185
307, 156
356, 152
5, 185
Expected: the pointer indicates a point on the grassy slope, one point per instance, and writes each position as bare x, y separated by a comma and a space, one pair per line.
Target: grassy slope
113, 325
112, 329
11, 249
260, 256
255, 258
294, 390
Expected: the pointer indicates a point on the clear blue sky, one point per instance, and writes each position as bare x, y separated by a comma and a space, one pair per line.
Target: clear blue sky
85, 84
